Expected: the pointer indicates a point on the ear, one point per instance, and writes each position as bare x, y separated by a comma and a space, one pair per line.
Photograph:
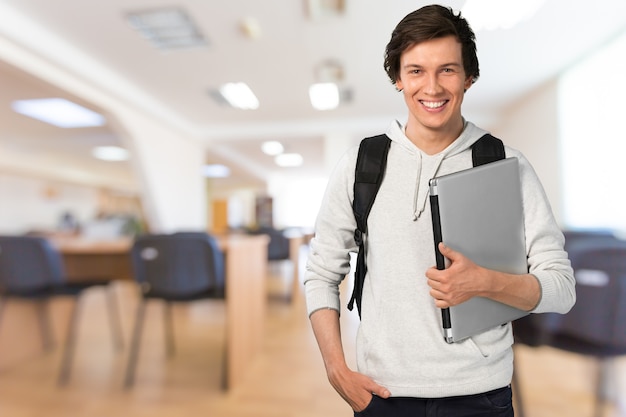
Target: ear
468, 83
399, 85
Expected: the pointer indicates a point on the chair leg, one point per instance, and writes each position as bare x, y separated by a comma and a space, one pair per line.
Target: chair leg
600, 387
225, 357
43, 317
70, 343
114, 319
134, 344
169, 329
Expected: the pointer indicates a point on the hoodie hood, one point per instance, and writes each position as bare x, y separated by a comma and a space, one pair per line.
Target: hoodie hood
428, 165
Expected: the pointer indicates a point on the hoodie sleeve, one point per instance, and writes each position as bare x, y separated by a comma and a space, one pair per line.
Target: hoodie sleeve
547, 260
329, 255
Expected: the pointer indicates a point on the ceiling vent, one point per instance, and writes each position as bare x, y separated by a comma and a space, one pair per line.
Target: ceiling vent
167, 28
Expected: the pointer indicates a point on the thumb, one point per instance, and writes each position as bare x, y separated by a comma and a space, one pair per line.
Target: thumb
446, 251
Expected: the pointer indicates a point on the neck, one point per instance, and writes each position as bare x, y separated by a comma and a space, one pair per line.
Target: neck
433, 141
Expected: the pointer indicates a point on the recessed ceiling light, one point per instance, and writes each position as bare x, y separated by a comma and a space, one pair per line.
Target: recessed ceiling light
286, 160
215, 171
272, 148
110, 153
239, 95
167, 28
324, 96
58, 112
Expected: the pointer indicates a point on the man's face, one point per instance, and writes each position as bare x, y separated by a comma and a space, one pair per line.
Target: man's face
433, 82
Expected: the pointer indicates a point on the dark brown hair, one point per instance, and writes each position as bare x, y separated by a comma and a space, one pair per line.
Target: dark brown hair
426, 23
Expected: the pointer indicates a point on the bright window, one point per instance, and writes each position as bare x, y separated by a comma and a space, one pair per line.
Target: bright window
592, 120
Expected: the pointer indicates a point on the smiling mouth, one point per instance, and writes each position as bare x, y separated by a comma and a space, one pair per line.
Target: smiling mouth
433, 104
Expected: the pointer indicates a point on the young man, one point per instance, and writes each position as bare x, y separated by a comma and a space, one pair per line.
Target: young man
404, 365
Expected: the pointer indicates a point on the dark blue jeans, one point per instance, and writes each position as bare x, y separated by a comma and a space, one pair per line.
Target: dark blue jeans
496, 403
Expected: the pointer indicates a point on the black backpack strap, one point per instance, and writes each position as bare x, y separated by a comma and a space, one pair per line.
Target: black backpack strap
487, 149
369, 173
370, 170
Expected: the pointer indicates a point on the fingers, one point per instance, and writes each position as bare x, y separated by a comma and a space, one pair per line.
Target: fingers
380, 391
357, 390
372, 389
441, 298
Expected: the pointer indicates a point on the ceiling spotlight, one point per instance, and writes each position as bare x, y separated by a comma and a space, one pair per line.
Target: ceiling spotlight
287, 160
272, 148
324, 96
318, 9
329, 71
110, 153
250, 27
215, 171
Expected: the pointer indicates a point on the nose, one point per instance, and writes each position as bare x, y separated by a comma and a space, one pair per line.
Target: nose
432, 86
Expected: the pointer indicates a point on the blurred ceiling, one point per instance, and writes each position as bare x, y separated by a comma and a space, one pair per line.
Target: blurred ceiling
276, 47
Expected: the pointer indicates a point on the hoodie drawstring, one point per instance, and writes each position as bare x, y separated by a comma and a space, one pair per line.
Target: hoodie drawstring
417, 187
420, 196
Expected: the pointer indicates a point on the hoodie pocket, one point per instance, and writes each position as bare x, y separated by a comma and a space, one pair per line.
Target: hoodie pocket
493, 341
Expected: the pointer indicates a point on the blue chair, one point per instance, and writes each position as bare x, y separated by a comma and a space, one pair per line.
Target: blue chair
31, 268
278, 246
596, 325
179, 267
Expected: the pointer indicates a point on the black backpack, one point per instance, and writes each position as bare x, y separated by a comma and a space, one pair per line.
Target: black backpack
370, 171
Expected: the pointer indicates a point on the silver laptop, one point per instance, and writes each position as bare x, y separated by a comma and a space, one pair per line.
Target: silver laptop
479, 213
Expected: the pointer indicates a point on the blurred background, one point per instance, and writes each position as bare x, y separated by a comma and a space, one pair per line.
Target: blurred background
224, 116
551, 83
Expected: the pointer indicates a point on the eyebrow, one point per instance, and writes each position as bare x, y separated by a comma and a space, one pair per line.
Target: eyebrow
453, 64
450, 64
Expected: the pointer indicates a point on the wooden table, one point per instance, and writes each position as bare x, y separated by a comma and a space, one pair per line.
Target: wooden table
246, 301
87, 259
246, 290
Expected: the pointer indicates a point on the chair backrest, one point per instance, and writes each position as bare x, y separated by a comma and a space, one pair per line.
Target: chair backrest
28, 263
278, 246
179, 264
575, 237
599, 315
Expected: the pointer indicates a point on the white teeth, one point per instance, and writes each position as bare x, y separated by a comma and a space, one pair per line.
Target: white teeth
433, 104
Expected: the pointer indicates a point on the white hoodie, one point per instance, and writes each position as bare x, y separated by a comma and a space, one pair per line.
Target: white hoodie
399, 342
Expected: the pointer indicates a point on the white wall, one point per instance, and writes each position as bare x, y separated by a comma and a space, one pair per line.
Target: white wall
296, 201
593, 142
531, 126
37, 204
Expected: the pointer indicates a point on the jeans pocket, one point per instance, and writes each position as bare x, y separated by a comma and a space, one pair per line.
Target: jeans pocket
500, 399
367, 410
